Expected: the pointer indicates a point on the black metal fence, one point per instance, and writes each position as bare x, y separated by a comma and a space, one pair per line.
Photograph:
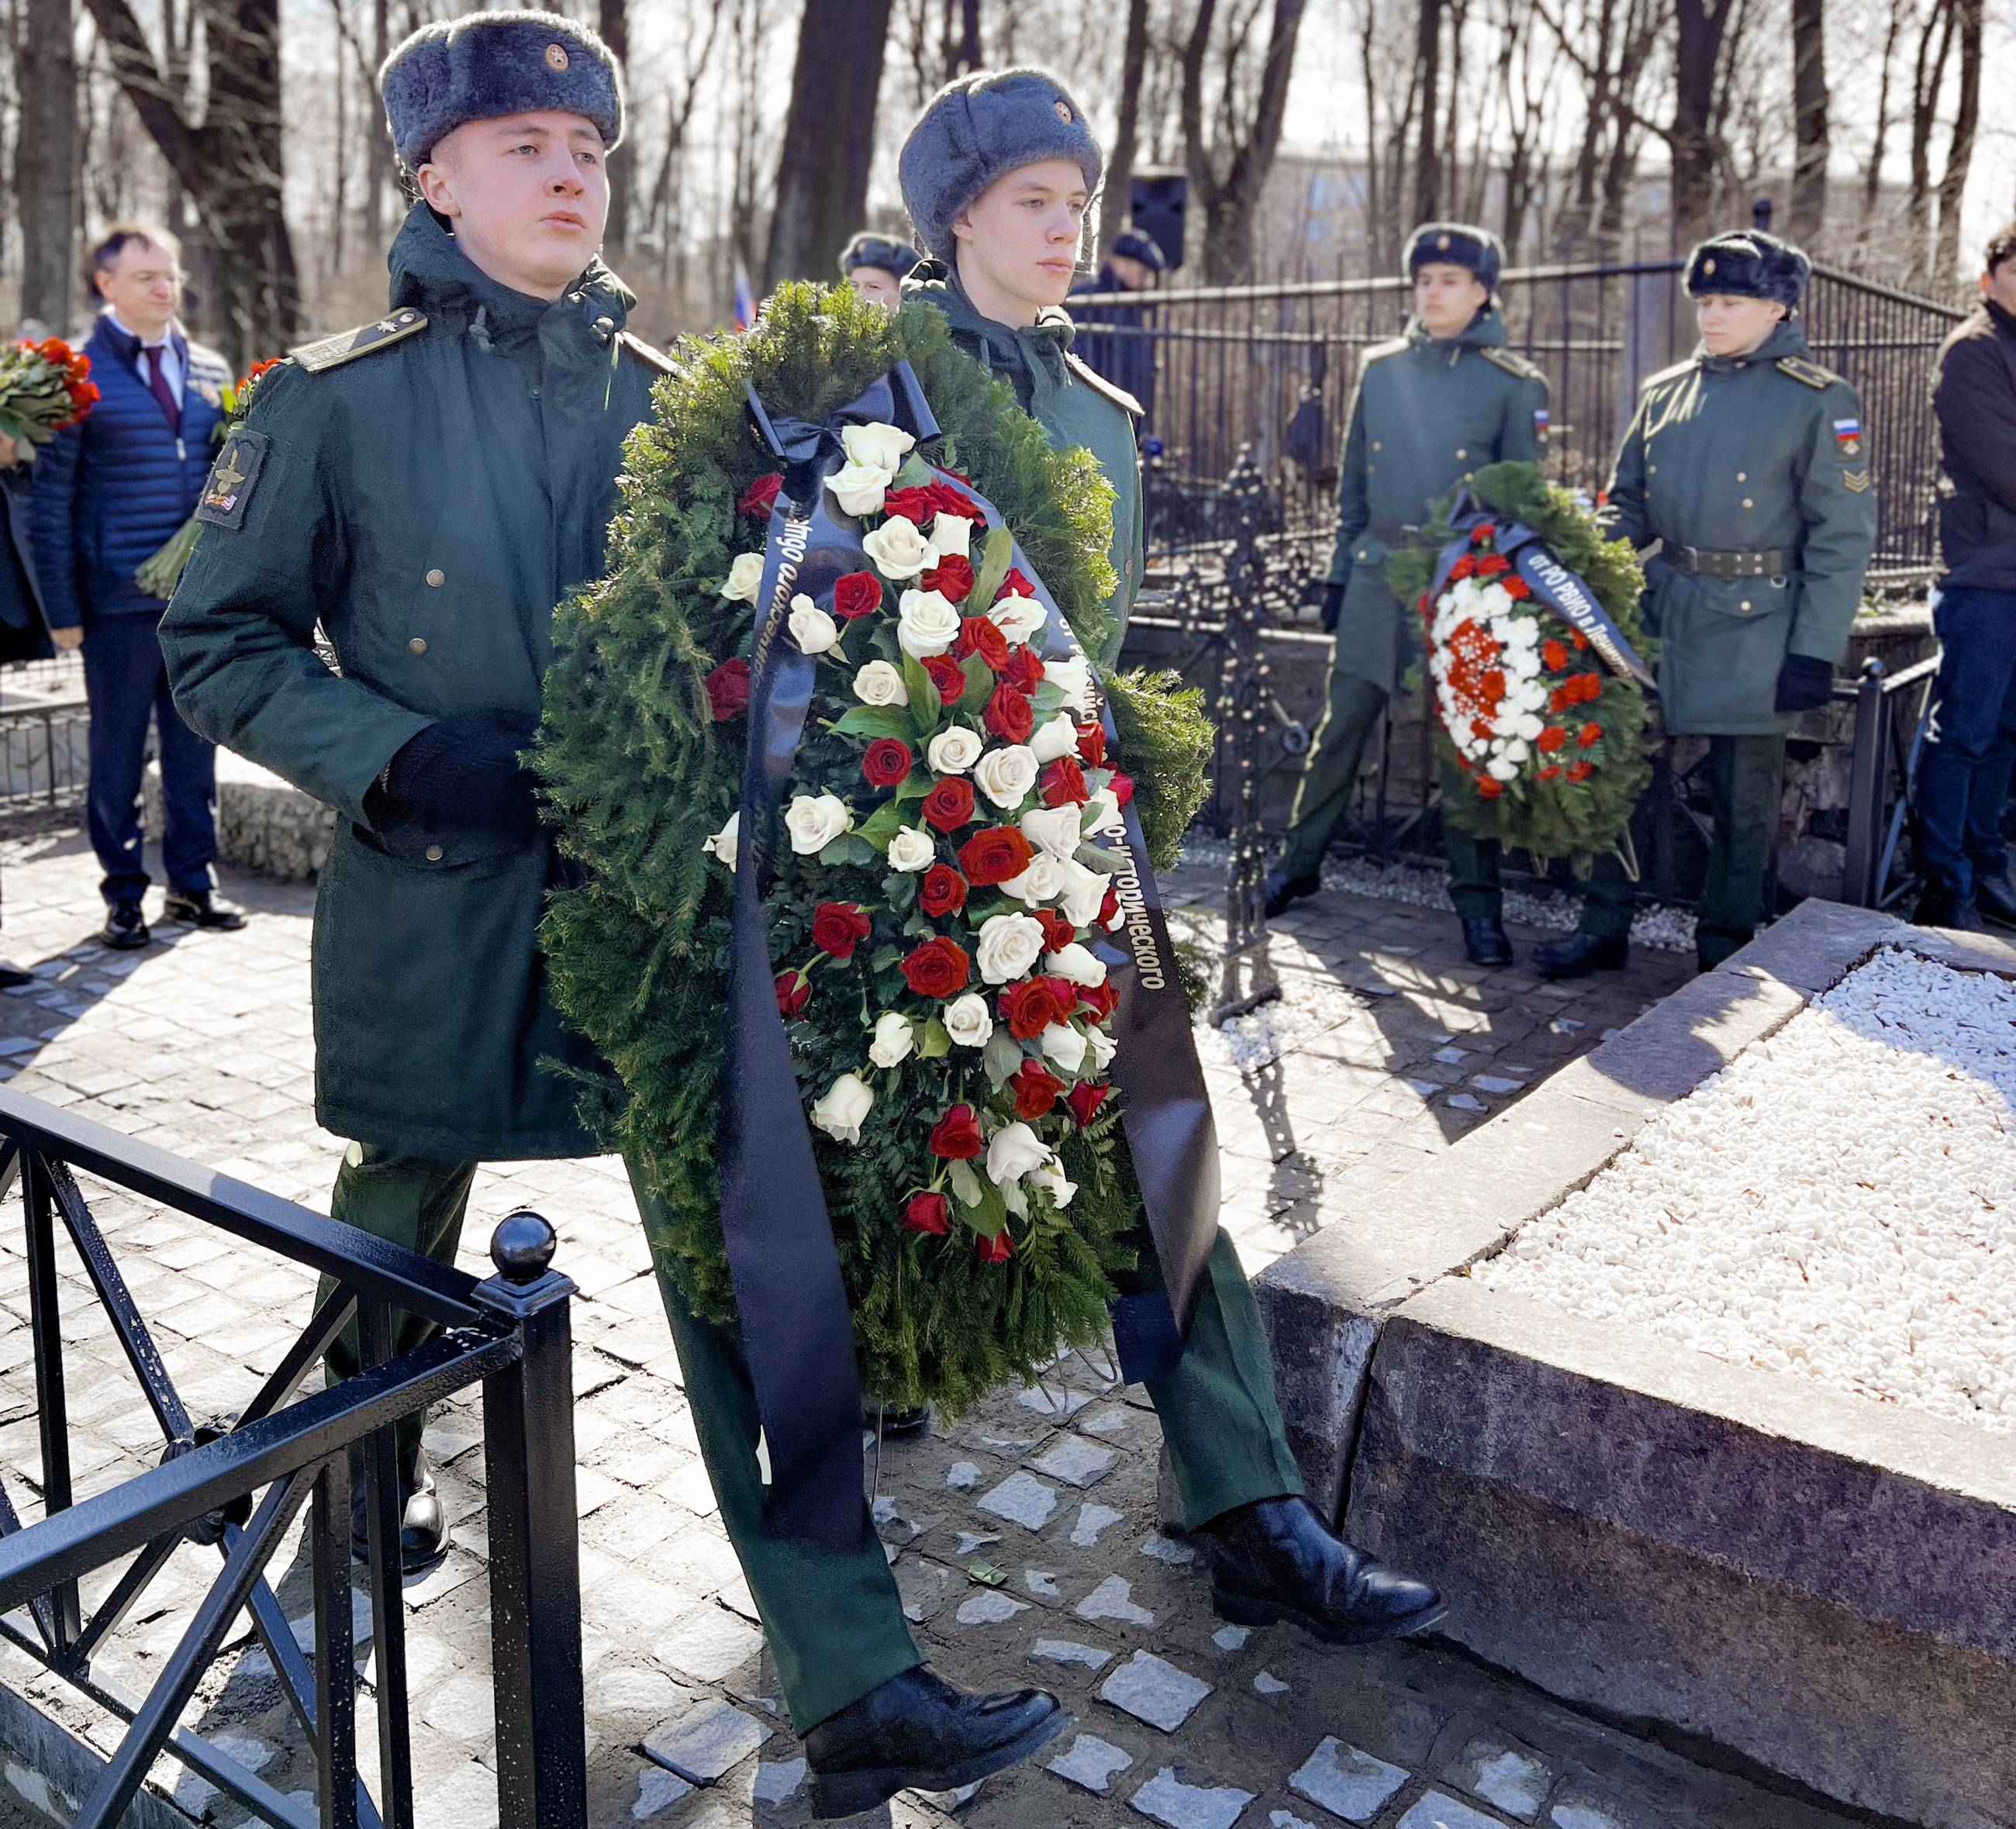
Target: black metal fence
238, 1483
1273, 367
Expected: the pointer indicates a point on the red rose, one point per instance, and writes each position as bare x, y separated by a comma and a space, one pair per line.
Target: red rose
1092, 745
926, 1212
1579, 771
997, 1250
995, 855
1551, 772
1492, 685
1109, 906
1589, 686
1099, 998
757, 499
728, 689
913, 505
947, 676
947, 500
956, 1136
1553, 738
1058, 933
949, 804
1554, 655
859, 594
1490, 789
1560, 698
1062, 784
1085, 1100
976, 635
794, 992
1122, 785
1032, 1005
1014, 585
937, 967
1493, 565
1462, 568
1480, 730
951, 577
1036, 1091
1581, 641
1025, 668
886, 761
1009, 715
838, 927
940, 890
1589, 736
1480, 533
1517, 589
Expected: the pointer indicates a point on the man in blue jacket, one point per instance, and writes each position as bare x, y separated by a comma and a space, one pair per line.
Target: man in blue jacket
109, 493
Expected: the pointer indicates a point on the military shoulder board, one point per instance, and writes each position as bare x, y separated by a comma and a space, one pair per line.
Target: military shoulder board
1512, 364
1672, 374
1811, 373
652, 358
1099, 384
346, 346
1379, 351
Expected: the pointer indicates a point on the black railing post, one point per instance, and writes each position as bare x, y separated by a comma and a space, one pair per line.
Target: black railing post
535, 1545
45, 1319
335, 1651
1866, 768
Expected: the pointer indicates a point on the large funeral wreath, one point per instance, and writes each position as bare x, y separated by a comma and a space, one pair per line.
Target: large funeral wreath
949, 1028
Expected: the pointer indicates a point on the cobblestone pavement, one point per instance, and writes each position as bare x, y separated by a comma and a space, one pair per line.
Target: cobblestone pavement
1025, 1541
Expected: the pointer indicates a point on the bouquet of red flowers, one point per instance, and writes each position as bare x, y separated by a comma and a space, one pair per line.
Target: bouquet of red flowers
44, 387
161, 572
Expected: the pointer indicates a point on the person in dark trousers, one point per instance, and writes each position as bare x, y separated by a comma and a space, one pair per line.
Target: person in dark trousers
877, 265
1438, 402
1964, 776
1748, 464
1124, 354
108, 494
24, 633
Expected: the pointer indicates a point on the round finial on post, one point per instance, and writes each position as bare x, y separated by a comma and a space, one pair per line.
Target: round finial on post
522, 1246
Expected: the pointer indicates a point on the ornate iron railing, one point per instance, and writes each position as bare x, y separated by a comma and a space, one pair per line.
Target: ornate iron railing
239, 1482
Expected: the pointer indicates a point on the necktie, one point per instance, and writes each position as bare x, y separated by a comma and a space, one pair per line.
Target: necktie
162, 392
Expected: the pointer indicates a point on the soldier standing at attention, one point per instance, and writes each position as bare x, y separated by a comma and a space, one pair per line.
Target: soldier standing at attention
1434, 406
1747, 464
877, 265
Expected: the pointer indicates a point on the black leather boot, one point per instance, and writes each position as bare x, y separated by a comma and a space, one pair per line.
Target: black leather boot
1580, 954
1277, 1560
1996, 898
201, 907
1283, 889
422, 1522
895, 1423
1938, 907
918, 1733
1485, 941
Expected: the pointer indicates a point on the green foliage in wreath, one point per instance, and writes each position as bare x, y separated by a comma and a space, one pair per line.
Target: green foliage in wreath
638, 775
1561, 817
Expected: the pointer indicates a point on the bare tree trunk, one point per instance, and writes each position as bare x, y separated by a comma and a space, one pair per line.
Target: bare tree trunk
1959, 149
1427, 62
381, 169
822, 175
1701, 26
1227, 184
614, 19
1928, 76
1872, 176
1120, 167
962, 48
1807, 210
45, 161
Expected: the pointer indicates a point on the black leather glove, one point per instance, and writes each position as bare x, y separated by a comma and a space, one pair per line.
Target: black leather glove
1333, 606
462, 773
1804, 683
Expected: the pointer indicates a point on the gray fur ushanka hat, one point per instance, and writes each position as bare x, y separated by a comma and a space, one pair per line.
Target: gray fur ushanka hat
869, 250
1461, 244
485, 65
978, 129
1747, 263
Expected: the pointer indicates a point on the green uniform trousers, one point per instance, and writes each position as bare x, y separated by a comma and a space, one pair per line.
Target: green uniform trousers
1323, 797
833, 1619
1743, 774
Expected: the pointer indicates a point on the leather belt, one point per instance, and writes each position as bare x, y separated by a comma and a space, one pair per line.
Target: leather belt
1693, 560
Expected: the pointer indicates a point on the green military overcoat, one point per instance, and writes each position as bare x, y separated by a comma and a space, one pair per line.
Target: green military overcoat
426, 491
1427, 412
1759, 453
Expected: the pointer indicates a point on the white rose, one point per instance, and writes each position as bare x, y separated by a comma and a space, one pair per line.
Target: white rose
895, 1040
927, 623
1517, 751
968, 1021
954, 750
1050, 1176
1065, 1045
1500, 769
1055, 829
858, 487
812, 628
878, 683
1008, 946
846, 1103
1101, 813
1039, 882
1103, 1048
878, 446
724, 843
1006, 775
1018, 617
1012, 1152
1077, 963
1072, 677
1058, 737
745, 577
913, 848
1082, 894
952, 533
814, 820
899, 549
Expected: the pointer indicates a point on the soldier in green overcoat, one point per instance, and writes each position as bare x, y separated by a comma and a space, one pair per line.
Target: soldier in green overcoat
1432, 406
1744, 478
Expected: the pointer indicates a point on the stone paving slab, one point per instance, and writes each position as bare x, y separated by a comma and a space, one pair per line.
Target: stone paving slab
202, 1046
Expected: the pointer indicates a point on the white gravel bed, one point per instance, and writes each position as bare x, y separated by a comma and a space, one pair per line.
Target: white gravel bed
1840, 1201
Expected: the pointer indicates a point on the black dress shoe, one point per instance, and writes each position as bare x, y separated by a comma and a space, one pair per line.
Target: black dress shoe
1276, 1560
1484, 940
918, 1733
1938, 907
896, 1423
1996, 898
1580, 954
422, 1522
12, 977
125, 929
1283, 889
203, 909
